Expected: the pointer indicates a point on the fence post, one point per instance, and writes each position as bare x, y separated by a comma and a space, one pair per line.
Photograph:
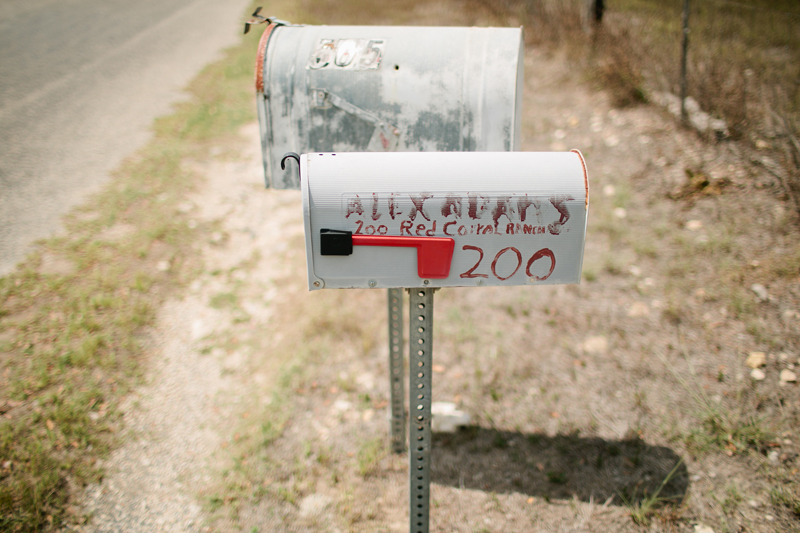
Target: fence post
597, 11
684, 51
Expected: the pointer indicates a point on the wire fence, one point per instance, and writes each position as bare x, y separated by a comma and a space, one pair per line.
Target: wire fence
742, 66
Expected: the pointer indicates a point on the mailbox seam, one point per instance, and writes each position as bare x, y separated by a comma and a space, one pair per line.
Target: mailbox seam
585, 174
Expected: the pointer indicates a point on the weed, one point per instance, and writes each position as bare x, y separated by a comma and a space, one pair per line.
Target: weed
558, 478
370, 455
732, 499
500, 441
223, 300
785, 497
642, 510
722, 427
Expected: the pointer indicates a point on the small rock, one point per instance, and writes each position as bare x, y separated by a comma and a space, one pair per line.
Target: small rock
185, 207
620, 212
638, 309
446, 418
783, 356
595, 345
756, 359
757, 374
787, 376
702, 528
366, 380
635, 270
611, 141
790, 314
774, 456
694, 225
342, 405
752, 503
162, 266
769, 517
761, 292
608, 190
647, 282
314, 504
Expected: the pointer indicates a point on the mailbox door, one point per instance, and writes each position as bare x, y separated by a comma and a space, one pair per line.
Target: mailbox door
513, 218
373, 88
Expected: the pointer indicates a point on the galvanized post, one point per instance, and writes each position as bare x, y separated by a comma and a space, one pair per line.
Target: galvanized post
397, 424
420, 320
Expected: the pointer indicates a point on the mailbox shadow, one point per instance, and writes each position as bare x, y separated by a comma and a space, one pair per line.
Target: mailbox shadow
562, 467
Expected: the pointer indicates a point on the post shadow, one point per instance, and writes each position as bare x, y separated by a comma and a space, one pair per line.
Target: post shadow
561, 467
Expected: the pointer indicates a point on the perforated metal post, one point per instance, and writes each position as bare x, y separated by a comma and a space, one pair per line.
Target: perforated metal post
397, 425
420, 320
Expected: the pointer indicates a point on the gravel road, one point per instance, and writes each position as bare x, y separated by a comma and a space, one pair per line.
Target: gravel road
80, 85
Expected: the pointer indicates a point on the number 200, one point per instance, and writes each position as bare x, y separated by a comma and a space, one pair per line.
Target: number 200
544, 252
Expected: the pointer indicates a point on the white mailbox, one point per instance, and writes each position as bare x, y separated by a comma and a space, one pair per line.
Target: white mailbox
386, 89
443, 219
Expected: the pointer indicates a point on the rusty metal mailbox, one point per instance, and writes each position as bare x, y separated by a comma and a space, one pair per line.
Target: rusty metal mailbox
443, 219
386, 89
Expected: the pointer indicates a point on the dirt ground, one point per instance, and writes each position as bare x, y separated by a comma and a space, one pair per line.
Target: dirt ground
266, 405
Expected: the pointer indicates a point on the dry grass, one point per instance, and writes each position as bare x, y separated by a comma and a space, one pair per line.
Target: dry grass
516, 361
743, 65
74, 314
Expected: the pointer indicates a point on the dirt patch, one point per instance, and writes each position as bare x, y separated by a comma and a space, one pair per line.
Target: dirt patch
269, 403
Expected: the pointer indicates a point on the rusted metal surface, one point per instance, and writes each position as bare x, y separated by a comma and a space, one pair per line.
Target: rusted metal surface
262, 49
385, 89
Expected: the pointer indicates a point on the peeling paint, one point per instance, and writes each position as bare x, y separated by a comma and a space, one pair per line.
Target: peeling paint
424, 89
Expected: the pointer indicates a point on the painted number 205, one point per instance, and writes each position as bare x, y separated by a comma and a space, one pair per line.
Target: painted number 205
544, 252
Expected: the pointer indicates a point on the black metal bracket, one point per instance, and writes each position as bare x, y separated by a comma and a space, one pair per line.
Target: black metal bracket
255, 18
291, 155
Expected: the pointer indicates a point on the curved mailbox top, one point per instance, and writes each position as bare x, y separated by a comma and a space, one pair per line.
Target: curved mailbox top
443, 219
386, 89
